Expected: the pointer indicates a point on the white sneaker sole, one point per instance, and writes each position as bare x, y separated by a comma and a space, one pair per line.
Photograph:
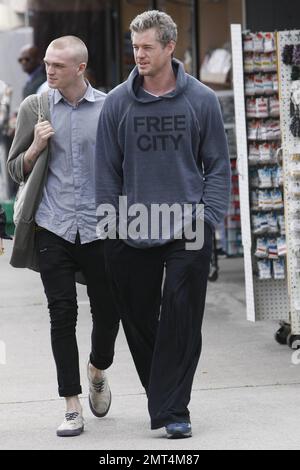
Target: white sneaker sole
69, 432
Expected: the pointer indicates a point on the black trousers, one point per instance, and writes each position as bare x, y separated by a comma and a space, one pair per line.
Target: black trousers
163, 329
59, 260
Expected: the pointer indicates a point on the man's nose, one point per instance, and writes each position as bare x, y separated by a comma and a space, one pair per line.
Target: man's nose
50, 69
140, 53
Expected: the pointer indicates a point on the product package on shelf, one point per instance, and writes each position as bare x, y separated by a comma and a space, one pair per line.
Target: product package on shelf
261, 175
230, 232
234, 245
265, 170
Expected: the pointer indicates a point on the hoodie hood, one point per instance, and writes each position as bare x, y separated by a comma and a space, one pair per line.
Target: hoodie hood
135, 81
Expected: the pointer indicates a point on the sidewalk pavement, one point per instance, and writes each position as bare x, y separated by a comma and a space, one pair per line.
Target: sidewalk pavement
246, 392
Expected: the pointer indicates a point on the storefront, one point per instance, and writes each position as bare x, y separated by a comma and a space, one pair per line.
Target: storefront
104, 26
203, 27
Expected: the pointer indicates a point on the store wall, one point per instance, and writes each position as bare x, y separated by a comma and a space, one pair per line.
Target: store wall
182, 13
104, 26
215, 19
196, 36
90, 20
271, 15
128, 11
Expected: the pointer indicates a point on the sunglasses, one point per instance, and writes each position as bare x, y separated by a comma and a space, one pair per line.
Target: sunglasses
24, 59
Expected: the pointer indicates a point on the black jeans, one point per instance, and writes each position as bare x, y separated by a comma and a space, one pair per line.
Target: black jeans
59, 260
163, 329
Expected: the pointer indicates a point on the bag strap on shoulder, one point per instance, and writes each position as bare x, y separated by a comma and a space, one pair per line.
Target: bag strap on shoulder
43, 107
40, 112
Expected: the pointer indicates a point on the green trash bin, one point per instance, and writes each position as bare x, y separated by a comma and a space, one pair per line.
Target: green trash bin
8, 206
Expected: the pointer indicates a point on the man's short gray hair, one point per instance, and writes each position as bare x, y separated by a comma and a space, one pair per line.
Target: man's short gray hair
163, 23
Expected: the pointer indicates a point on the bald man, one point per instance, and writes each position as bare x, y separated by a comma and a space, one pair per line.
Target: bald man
31, 64
66, 228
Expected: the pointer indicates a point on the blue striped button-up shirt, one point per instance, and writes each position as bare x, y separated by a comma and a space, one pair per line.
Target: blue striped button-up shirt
68, 202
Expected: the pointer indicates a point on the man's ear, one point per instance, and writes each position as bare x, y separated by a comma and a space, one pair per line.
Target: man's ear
171, 46
81, 68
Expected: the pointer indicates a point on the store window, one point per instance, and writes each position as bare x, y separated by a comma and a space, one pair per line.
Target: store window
214, 19
128, 11
183, 13
104, 27
96, 23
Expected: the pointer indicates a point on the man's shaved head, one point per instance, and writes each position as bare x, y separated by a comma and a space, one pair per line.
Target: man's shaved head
76, 46
31, 50
29, 58
66, 60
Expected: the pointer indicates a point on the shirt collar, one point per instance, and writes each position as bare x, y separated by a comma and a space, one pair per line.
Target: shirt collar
88, 96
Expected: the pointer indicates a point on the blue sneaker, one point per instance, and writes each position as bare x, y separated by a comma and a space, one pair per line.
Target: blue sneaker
178, 430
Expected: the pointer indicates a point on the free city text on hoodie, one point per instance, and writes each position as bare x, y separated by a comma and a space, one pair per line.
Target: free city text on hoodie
167, 149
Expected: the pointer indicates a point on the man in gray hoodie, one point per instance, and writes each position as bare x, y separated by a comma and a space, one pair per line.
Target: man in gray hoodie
161, 142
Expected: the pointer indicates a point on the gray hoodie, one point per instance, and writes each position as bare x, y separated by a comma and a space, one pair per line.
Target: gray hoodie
167, 149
